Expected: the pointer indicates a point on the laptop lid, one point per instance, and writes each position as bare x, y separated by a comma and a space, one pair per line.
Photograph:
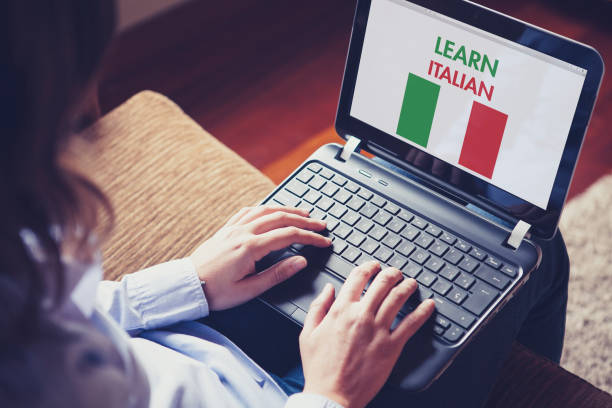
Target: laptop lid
478, 105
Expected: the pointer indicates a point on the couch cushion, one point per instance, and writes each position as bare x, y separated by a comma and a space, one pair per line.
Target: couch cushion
170, 182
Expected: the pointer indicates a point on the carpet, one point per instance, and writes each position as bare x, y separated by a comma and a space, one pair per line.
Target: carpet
586, 224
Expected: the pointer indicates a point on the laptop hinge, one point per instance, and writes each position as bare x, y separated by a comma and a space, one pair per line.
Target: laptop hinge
351, 146
518, 234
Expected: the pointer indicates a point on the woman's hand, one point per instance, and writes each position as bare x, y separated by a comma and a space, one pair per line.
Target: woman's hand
347, 347
226, 262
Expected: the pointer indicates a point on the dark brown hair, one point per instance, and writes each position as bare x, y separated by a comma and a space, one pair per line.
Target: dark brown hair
50, 53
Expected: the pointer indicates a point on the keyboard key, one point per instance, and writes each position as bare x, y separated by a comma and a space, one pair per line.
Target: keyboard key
332, 223
338, 265
409, 232
392, 208
378, 201
305, 206
351, 217
327, 173
315, 167
397, 261
478, 254
369, 210
378, 232
339, 180
338, 211
421, 294
480, 300
356, 238
442, 286
355, 203
289, 200
317, 182
312, 196
492, 277
382, 218
509, 270
442, 321
457, 295
439, 248
419, 223
468, 264
434, 264
438, 330
405, 215
383, 254
424, 240
493, 262
325, 204
453, 334
448, 238
453, 256
330, 189
338, 246
391, 240
317, 214
465, 281
364, 225
396, 225
365, 194
351, 254
352, 187
305, 176
343, 196
405, 248
454, 313
342, 231
419, 256
463, 246
369, 246
449, 272
433, 230
297, 188
411, 270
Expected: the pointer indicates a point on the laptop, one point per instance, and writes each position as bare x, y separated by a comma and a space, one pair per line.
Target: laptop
472, 122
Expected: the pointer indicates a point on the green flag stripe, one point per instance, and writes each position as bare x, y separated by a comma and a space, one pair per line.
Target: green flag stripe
418, 108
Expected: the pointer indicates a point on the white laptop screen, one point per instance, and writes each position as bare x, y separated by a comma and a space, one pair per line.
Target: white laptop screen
496, 109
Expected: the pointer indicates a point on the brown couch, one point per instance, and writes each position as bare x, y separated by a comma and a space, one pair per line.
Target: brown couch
172, 185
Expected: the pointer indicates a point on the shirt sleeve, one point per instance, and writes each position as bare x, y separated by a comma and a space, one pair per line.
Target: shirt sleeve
154, 297
304, 400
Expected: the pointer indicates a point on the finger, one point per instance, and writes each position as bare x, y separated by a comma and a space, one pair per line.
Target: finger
319, 308
260, 211
413, 322
255, 285
280, 238
356, 281
380, 288
234, 218
280, 219
394, 301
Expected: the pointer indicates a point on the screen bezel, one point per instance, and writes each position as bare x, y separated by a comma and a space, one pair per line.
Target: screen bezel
473, 189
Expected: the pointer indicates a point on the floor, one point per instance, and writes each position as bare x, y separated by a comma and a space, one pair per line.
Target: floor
265, 80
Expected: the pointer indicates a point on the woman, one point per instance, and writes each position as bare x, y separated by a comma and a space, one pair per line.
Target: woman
61, 345
62, 349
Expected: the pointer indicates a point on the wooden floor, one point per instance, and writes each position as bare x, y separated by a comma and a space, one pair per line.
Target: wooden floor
264, 77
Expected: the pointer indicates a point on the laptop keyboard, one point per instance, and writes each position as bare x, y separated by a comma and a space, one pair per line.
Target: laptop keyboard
461, 278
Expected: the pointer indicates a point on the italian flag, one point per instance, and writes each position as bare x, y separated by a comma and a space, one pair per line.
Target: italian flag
483, 135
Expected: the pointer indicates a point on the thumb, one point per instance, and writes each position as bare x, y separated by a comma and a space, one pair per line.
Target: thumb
257, 284
319, 308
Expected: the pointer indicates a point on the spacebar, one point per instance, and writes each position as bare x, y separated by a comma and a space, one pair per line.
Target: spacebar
338, 266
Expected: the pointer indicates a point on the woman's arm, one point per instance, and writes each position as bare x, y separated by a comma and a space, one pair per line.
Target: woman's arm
171, 292
154, 297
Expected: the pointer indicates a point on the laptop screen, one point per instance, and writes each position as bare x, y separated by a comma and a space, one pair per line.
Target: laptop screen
489, 106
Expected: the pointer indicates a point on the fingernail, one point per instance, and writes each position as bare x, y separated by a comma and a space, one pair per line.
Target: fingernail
298, 263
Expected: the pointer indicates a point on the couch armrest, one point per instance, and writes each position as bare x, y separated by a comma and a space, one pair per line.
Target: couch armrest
170, 182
